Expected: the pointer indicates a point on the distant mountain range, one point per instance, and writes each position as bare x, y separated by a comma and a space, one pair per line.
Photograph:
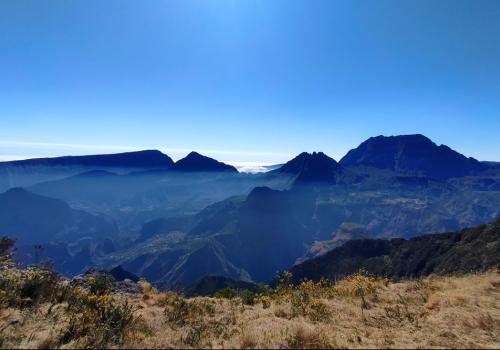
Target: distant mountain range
21, 173
176, 222
149, 159
409, 154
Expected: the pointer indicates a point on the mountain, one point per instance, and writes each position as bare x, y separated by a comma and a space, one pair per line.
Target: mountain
270, 230
148, 159
243, 238
412, 154
132, 200
346, 232
32, 218
119, 274
265, 232
197, 162
491, 163
471, 249
311, 167
210, 259
57, 254
208, 285
24, 173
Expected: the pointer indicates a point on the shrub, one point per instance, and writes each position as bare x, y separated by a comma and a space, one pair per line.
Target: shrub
181, 312
97, 320
160, 299
29, 287
40, 284
6, 245
248, 341
100, 283
265, 300
360, 284
225, 293
300, 300
284, 286
302, 338
247, 297
318, 312
147, 288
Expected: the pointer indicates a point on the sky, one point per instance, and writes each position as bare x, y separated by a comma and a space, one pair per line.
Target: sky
246, 81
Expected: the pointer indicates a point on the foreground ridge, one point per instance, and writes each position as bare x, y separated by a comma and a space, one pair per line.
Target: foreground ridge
39, 309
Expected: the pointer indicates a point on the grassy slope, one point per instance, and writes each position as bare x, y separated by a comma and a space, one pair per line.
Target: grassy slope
460, 311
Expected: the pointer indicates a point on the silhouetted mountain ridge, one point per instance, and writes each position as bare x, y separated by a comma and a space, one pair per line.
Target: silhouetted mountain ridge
139, 159
414, 154
197, 162
311, 167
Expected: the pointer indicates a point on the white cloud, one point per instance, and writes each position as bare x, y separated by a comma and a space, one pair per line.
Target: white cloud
250, 167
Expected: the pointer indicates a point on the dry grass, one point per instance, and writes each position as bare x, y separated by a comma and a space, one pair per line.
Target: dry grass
452, 312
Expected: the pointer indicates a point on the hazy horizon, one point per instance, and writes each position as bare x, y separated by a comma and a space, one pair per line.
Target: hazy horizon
246, 160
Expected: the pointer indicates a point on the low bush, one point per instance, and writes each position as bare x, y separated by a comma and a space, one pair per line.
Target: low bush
29, 287
180, 311
226, 293
100, 283
96, 321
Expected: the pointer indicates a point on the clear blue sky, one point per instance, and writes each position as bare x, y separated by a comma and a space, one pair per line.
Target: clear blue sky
256, 80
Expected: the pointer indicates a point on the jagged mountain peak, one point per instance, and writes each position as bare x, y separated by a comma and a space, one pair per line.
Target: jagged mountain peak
311, 167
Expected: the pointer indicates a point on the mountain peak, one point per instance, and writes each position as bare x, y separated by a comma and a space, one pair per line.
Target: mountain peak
195, 154
195, 161
311, 167
414, 154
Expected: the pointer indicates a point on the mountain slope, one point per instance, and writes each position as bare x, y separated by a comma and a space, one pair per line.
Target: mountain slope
268, 230
208, 285
197, 162
241, 238
471, 249
413, 154
37, 219
208, 260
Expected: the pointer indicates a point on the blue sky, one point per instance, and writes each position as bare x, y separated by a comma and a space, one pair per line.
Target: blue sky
248, 81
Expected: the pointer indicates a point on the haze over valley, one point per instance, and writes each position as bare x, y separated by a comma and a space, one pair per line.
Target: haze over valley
176, 222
